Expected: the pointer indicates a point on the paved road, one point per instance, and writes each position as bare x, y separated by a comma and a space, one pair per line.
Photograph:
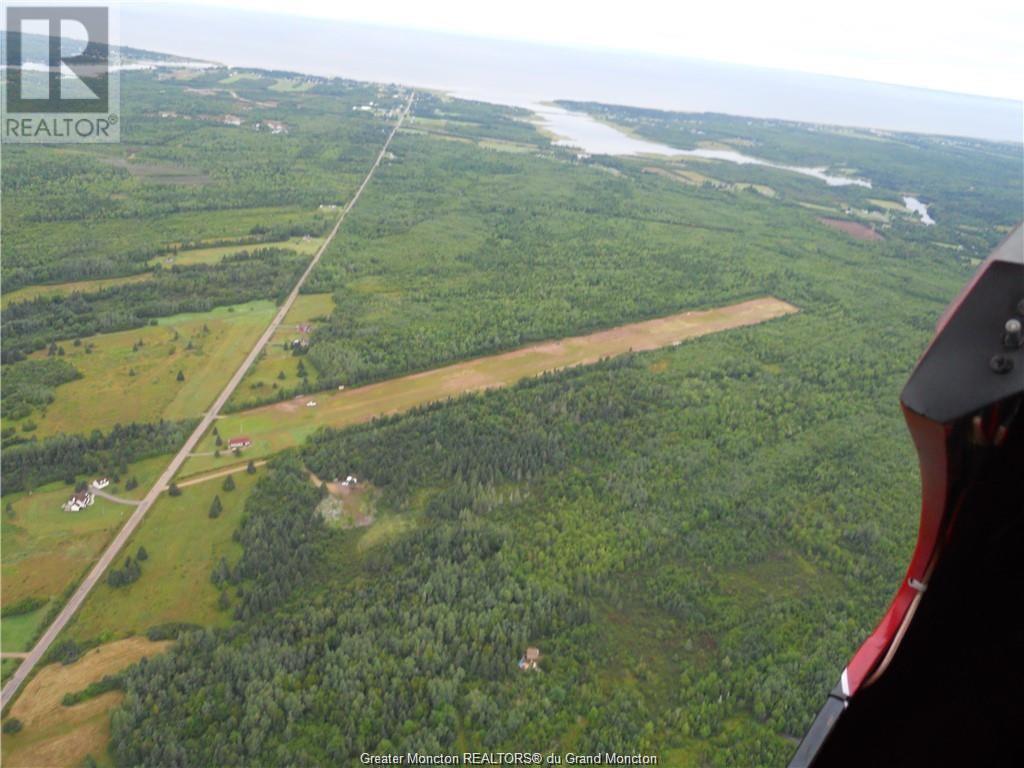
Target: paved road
114, 548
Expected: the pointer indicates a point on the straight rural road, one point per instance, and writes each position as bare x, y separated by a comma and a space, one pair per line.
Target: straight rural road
115, 546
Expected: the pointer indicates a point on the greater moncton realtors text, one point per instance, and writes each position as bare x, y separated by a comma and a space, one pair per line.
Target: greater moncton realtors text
508, 758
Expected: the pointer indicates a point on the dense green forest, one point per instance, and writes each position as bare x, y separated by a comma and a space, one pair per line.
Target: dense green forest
183, 173
695, 538
969, 184
31, 384
27, 464
455, 251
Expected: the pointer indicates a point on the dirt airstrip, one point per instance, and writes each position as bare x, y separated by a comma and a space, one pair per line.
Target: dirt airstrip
854, 229
275, 427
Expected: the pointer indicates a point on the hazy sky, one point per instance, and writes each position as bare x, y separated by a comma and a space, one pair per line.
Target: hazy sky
968, 47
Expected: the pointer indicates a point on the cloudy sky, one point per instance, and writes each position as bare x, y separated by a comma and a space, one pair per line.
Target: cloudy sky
975, 47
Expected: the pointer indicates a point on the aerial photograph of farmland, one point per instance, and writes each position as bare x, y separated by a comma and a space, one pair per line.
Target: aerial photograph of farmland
466, 384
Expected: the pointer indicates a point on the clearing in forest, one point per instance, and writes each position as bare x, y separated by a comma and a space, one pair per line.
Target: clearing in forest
854, 229
183, 544
277, 366
215, 254
282, 425
133, 375
66, 289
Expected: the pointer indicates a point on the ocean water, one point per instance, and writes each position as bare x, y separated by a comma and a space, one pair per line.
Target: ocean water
527, 74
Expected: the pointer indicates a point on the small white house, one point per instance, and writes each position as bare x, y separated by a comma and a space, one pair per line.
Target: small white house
101, 483
311, 404
79, 501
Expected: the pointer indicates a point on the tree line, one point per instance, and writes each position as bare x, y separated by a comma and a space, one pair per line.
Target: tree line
266, 273
63, 457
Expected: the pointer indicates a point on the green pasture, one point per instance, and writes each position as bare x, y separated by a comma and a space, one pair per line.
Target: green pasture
123, 381
183, 544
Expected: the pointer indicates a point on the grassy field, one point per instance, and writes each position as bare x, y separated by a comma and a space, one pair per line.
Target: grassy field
18, 632
122, 383
309, 306
238, 77
46, 549
64, 289
292, 85
183, 544
282, 425
55, 735
214, 254
263, 377
145, 472
890, 205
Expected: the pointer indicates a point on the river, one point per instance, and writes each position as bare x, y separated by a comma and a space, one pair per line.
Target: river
580, 130
916, 206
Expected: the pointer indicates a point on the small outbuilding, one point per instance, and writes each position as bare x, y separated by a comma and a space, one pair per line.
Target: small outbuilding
529, 659
241, 441
101, 483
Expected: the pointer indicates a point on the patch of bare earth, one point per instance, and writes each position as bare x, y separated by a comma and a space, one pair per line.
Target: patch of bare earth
854, 229
345, 505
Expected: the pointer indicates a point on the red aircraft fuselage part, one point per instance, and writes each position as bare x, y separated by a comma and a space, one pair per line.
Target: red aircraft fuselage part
931, 440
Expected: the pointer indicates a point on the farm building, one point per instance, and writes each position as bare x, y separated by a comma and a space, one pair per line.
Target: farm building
79, 501
239, 442
311, 404
101, 483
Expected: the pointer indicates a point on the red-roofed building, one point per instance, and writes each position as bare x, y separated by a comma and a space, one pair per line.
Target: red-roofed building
239, 442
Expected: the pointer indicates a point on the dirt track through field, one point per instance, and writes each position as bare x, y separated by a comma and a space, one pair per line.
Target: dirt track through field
220, 473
